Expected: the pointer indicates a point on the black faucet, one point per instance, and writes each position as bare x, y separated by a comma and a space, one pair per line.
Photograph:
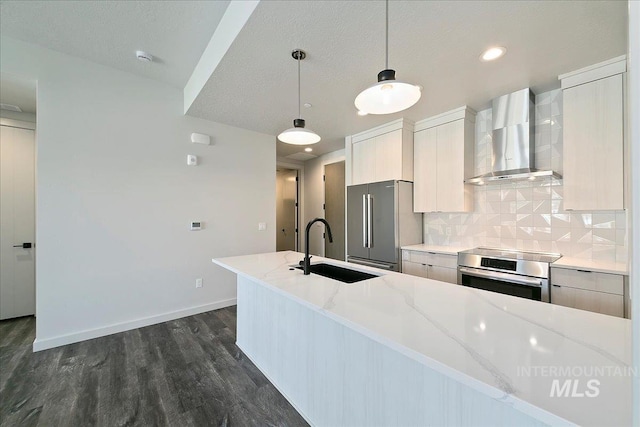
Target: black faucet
307, 259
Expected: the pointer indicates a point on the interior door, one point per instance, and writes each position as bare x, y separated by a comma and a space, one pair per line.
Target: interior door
17, 222
356, 197
334, 196
382, 245
286, 209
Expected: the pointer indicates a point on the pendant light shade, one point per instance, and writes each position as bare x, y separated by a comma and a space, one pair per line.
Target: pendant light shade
298, 135
388, 95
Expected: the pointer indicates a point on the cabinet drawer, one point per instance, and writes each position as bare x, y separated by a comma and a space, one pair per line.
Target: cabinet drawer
430, 271
432, 258
589, 280
598, 302
449, 275
414, 269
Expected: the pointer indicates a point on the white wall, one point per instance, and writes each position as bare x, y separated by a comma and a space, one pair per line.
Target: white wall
115, 198
314, 198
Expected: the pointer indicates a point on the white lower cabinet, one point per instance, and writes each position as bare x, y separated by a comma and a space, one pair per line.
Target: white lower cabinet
588, 290
430, 265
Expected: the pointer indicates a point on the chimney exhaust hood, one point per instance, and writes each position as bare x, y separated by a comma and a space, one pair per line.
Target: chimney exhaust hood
513, 141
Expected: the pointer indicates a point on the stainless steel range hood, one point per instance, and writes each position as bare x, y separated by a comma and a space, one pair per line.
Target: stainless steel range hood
513, 141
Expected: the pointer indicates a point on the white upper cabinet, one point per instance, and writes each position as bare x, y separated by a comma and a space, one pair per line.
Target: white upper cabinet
382, 154
443, 158
425, 161
593, 137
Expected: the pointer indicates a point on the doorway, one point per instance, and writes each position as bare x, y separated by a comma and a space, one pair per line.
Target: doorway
334, 197
17, 222
17, 196
287, 194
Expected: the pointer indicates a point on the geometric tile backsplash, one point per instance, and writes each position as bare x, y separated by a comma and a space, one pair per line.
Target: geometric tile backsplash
530, 215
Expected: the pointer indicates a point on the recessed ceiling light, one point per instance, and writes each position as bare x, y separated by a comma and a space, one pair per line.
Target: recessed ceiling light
308, 149
493, 53
144, 56
362, 113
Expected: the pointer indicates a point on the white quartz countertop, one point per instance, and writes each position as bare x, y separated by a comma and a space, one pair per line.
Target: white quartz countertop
509, 348
447, 250
591, 265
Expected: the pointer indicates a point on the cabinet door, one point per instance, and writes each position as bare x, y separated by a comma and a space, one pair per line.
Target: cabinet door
450, 170
389, 156
364, 161
414, 269
356, 221
443, 274
424, 170
588, 280
593, 145
599, 302
383, 237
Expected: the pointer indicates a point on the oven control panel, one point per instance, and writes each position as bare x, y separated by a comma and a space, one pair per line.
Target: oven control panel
501, 264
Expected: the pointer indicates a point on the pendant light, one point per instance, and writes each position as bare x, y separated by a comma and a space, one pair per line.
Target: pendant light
298, 135
388, 95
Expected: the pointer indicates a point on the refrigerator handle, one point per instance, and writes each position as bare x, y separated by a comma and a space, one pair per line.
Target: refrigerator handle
369, 220
365, 216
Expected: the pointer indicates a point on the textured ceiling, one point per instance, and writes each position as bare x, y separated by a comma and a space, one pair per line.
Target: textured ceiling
435, 44
109, 32
15, 90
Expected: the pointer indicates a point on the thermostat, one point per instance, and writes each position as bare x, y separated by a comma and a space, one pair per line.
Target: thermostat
196, 225
192, 160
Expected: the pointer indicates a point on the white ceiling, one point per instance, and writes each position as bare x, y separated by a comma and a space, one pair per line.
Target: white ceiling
435, 44
15, 90
109, 32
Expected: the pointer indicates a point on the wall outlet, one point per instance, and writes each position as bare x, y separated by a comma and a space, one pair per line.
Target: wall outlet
199, 282
262, 226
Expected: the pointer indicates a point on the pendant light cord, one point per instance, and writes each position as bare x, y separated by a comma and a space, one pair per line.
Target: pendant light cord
386, 35
299, 115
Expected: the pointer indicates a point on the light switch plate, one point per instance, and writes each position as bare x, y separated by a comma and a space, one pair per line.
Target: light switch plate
262, 226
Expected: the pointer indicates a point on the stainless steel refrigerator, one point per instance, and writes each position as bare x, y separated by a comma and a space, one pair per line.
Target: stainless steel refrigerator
380, 220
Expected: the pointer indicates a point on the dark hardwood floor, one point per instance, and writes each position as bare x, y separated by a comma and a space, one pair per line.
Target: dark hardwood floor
187, 372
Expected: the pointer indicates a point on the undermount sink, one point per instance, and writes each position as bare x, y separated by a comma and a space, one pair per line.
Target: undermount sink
342, 274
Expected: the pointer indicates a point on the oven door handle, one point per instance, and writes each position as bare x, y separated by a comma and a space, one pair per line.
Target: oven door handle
501, 277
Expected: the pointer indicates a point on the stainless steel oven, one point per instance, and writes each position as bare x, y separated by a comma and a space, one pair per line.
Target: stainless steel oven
520, 274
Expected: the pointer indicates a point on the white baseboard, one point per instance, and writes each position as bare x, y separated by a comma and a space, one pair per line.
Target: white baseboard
44, 344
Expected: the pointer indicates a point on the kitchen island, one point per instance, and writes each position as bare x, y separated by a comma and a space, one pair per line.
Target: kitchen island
403, 350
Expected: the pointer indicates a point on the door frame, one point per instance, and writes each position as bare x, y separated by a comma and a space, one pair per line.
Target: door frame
21, 124
324, 204
300, 211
